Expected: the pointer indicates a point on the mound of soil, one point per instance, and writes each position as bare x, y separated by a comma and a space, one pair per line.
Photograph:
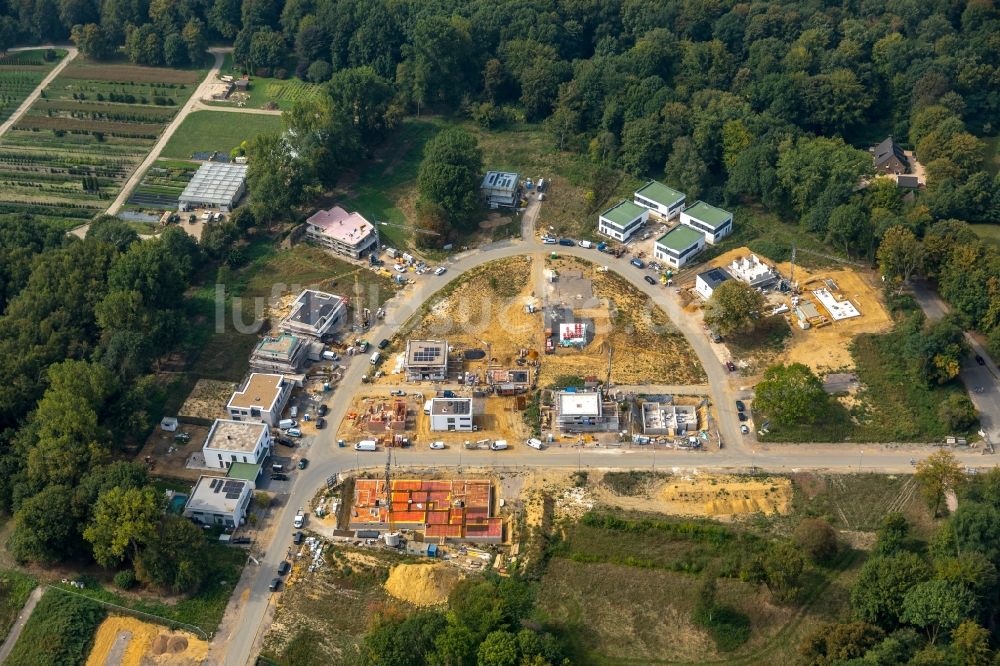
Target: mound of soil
422, 584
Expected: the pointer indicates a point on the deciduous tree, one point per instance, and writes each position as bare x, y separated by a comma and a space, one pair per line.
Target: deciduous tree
936, 605
790, 394
734, 308
124, 520
937, 474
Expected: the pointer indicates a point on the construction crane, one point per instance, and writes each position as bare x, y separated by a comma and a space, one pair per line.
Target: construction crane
408, 227
388, 488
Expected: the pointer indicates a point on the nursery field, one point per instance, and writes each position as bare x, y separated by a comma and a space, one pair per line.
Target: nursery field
162, 184
69, 155
20, 73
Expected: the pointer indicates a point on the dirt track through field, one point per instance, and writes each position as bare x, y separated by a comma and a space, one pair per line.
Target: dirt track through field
30, 99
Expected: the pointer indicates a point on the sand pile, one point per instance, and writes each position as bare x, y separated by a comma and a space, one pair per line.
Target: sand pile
131, 642
422, 584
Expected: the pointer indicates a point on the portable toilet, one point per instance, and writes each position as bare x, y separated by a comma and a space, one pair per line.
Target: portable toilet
432, 550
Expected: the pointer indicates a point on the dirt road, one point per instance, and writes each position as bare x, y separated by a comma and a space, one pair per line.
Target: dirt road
168, 131
30, 99
22, 619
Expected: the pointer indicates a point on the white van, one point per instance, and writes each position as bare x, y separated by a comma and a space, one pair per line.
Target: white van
535, 443
293, 432
427, 407
365, 445
586, 244
376, 357
330, 355
499, 445
294, 411
285, 424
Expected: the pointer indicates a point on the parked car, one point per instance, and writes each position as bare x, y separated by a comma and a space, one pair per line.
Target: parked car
275, 584
320, 423
649, 279
548, 240
322, 410
730, 366
740, 407
980, 360
383, 343
297, 538
567, 242
283, 567
440, 270
279, 476
437, 445
397, 392
286, 442
304, 463
742, 416
240, 541
638, 263
400, 268
744, 429
293, 432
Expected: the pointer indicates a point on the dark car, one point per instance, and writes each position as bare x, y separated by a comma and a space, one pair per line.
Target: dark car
303, 463
322, 410
638, 263
275, 584
383, 343
297, 538
980, 360
740, 406
320, 423
239, 541
649, 279
283, 567
742, 416
286, 442
568, 242
278, 476
730, 366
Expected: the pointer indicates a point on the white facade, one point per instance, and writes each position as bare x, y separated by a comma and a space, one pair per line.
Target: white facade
663, 202
706, 283
622, 220
262, 399
678, 246
232, 441
349, 234
315, 314
451, 414
713, 222
219, 501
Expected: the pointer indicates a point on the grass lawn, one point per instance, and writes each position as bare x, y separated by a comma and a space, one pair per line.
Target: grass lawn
221, 349
210, 131
988, 232
14, 590
861, 501
60, 631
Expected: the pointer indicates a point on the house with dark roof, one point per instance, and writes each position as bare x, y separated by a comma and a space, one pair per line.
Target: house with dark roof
706, 283
889, 157
316, 314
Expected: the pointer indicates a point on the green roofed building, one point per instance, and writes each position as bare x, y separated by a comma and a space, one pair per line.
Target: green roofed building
663, 202
622, 220
678, 246
244, 471
714, 222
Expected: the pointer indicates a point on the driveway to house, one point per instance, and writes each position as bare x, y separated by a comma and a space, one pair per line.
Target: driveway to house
30, 99
987, 397
22, 619
240, 636
168, 131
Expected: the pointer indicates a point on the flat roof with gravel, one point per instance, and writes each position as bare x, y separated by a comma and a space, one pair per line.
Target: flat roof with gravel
680, 238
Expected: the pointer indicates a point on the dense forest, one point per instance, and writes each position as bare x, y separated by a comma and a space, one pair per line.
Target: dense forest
769, 103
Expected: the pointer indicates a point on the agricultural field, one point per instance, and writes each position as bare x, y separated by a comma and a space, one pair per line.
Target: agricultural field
15, 588
60, 631
266, 92
162, 184
216, 131
74, 148
622, 580
20, 74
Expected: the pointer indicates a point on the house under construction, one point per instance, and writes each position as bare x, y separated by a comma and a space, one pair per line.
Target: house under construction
443, 510
382, 417
509, 382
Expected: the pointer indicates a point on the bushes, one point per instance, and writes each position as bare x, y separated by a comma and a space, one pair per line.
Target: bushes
697, 531
60, 631
125, 580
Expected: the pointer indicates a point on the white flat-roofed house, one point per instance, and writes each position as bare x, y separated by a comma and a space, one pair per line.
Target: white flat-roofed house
451, 414
663, 202
501, 189
707, 282
232, 441
316, 314
262, 399
349, 234
713, 222
285, 353
584, 411
678, 246
219, 501
622, 220
426, 360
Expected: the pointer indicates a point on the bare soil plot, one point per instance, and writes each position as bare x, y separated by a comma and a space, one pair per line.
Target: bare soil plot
165, 456
127, 641
826, 348
207, 400
423, 584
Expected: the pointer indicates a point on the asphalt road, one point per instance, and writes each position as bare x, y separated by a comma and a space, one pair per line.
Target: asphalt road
243, 642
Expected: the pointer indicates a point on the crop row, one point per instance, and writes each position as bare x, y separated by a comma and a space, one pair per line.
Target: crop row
158, 112
108, 115
96, 128
131, 74
291, 90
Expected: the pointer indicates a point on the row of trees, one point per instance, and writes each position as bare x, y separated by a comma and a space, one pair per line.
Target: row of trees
925, 605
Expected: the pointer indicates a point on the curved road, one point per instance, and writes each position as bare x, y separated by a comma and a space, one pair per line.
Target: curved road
250, 603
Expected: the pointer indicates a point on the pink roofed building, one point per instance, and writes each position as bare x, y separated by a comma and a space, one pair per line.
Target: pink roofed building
345, 233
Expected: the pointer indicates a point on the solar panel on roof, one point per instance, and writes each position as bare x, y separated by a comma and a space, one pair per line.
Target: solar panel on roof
425, 355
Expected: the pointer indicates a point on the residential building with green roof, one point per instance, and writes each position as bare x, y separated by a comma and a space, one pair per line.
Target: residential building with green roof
622, 220
678, 246
662, 201
714, 222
